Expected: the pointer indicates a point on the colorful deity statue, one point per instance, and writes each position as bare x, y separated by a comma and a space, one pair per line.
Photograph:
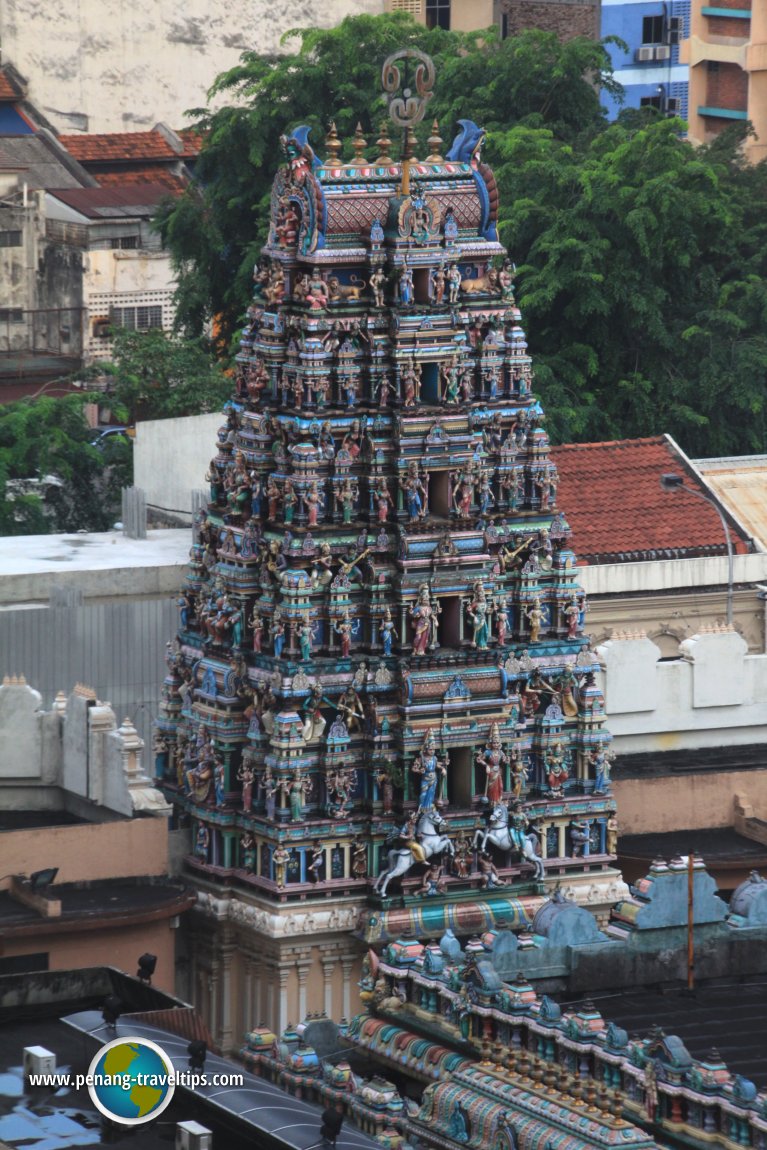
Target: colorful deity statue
556, 769
246, 775
377, 283
478, 611
406, 291
572, 614
383, 500
314, 503
344, 628
534, 613
388, 631
600, 760
424, 614
494, 760
431, 770
416, 495
296, 790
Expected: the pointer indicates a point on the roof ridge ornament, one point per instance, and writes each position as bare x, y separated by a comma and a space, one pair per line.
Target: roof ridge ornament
409, 108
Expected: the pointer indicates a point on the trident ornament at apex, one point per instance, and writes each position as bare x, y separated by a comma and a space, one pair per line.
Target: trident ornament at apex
381, 651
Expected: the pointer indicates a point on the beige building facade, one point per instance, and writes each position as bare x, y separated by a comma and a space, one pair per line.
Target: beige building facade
118, 66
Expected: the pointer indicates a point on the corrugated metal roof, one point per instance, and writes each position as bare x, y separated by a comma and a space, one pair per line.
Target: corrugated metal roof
127, 201
743, 489
43, 168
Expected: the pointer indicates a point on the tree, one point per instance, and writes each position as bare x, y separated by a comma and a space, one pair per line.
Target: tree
215, 231
49, 437
154, 376
642, 283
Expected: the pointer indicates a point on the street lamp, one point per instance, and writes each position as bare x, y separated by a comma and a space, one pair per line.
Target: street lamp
673, 482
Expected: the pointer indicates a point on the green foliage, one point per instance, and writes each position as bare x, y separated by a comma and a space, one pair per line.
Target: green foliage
157, 377
215, 232
49, 437
643, 282
641, 259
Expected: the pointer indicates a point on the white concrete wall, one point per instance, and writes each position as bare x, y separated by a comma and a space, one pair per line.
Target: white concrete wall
171, 456
119, 66
714, 695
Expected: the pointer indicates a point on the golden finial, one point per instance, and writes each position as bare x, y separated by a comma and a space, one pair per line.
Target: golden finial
332, 146
408, 158
359, 143
383, 143
434, 144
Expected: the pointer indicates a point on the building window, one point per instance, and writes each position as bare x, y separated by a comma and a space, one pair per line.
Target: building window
652, 30
11, 315
652, 102
123, 243
438, 14
137, 318
10, 239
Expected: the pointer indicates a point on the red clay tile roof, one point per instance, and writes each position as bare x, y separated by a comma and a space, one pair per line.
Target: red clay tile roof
611, 496
10, 89
192, 141
152, 174
102, 148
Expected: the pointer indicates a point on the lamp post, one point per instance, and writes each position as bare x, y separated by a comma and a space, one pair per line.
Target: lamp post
673, 482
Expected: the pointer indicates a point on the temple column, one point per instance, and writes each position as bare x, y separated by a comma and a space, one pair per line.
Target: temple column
226, 997
303, 966
328, 967
347, 962
283, 973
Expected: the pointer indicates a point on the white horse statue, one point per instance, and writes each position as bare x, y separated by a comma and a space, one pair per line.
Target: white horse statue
497, 832
430, 837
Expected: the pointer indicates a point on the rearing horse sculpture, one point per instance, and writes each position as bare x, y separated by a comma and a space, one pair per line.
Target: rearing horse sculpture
497, 832
430, 836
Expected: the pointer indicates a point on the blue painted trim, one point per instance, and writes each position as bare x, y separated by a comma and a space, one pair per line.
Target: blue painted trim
738, 13
723, 113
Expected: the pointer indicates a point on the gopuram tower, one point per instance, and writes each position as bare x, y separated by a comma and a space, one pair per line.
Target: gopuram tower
381, 715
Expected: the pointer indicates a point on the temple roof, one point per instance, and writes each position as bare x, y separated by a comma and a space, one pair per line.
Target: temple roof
619, 513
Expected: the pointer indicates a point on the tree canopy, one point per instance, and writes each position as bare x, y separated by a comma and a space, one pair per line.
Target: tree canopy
215, 232
154, 376
48, 436
641, 259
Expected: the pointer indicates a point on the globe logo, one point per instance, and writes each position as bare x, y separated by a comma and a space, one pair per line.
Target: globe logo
131, 1080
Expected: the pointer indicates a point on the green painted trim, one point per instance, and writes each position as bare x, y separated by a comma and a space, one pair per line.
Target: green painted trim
738, 13
723, 113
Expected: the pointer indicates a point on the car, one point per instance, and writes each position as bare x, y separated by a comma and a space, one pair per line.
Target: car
102, 435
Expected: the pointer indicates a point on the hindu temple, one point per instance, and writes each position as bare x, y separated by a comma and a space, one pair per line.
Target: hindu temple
382, 717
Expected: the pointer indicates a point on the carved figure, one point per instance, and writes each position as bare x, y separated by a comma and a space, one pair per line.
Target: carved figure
317, 862
383, 500
425, 837
416, 494
499, 834
296, 790
359, 859
280, 858
388, 632
478, 611
493, 759
202, 842
406, 286
534, 614
454, 283
245, 775
378, 286
556, 769
344, 630
433, 883
489, 872
424, 614
431, 769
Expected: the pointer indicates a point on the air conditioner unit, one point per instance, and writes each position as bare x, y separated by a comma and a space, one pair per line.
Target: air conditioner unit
662, 52
673, 106
38, 1060
643, 55
675, 29
192, 1136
